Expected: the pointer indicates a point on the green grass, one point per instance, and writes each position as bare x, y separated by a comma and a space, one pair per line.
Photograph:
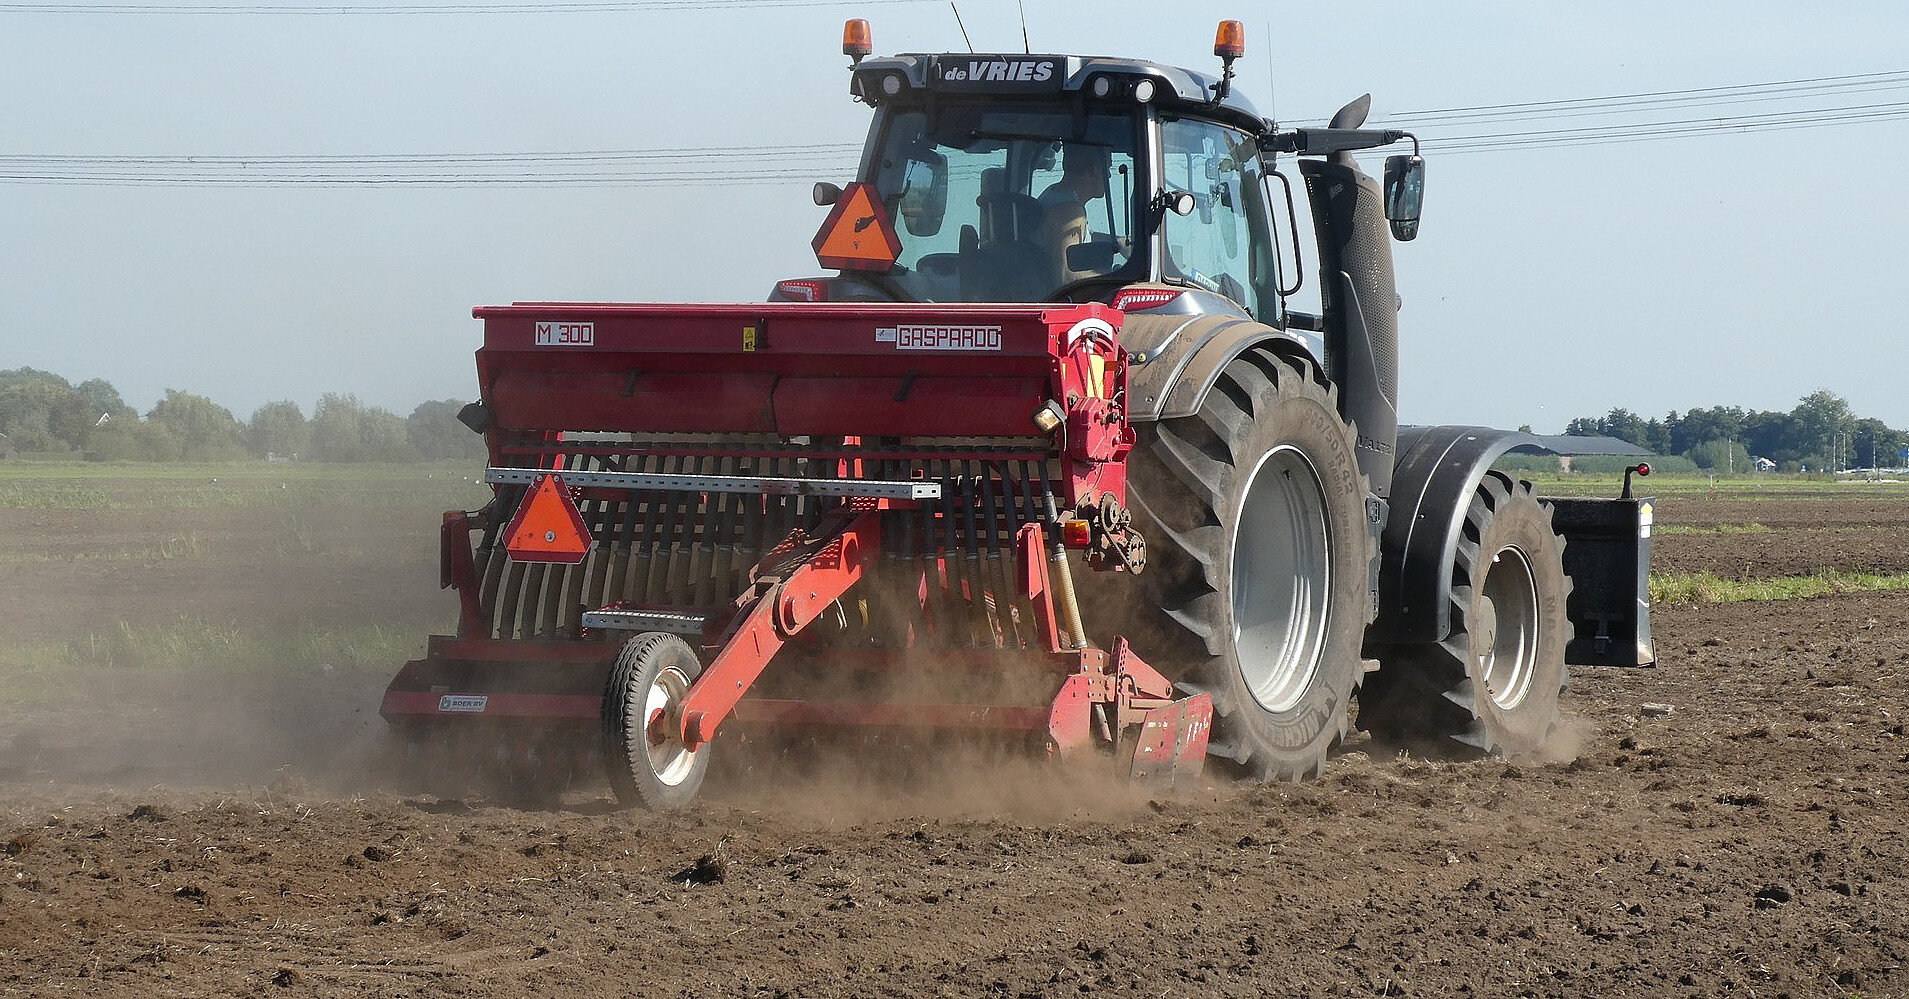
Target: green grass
195, 643
36, 672
1708, 588
34, 667
1740, 487
1751, 528
181, 546
78, 485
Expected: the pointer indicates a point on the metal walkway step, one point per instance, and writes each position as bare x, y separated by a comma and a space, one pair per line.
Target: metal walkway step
674, 623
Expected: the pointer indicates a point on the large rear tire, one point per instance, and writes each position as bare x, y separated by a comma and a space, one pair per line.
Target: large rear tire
1258, 560
648, 764
1493, 686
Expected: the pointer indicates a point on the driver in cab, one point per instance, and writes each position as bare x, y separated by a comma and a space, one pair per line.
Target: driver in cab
1083, 178
1064, 204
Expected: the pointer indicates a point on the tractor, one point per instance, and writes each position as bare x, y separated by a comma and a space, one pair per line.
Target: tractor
1050, 457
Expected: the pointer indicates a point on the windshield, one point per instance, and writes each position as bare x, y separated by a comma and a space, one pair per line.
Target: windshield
1004, 204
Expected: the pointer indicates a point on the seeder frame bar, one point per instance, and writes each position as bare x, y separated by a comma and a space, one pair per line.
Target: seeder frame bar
755, 485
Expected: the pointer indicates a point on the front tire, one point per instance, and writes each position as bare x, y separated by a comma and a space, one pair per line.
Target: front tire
1254, 512
1492, 686
648, 764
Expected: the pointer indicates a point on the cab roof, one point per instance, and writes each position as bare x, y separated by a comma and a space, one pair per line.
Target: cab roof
915, 77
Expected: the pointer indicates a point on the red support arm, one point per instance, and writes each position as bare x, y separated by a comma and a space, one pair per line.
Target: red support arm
458, 571
796, 589
1030, 560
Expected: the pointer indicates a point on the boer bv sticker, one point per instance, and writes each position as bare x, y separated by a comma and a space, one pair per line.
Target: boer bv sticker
566, 334
463, 703
962, 339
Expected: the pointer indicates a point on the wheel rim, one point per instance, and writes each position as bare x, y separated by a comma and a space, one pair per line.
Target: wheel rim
1510, 628
1282, 579
670, 760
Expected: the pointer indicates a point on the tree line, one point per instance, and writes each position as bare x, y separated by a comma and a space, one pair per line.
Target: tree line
43, 412
1820, 434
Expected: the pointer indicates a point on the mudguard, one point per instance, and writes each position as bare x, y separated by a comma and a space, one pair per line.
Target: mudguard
1178, 358
1438, 470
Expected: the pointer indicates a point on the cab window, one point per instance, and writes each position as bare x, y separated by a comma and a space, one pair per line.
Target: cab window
1225, 244
1010, 203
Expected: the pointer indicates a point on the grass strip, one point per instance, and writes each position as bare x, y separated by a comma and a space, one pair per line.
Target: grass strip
1750, 528
1709, 588
197, 645
115, 486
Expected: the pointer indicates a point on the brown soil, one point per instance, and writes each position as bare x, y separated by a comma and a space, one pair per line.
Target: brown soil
1882, 548
1750, 538
1774, 511
1749, 842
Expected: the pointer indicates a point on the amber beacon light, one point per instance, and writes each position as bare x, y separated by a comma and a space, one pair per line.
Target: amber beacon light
857, 40
1229, 42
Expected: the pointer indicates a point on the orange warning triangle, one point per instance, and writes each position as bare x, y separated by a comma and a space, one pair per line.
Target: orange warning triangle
858, 234
548, 527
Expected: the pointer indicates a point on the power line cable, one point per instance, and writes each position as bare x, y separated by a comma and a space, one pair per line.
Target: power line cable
1663, 99
692, 166
1856, 110
1623, 107
1648, 135
418, 160
526, 7
1655, 94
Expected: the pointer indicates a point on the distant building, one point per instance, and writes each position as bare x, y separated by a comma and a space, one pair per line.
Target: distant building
1763, 464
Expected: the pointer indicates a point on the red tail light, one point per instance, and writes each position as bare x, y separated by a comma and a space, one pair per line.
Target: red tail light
803, 290
1141, 299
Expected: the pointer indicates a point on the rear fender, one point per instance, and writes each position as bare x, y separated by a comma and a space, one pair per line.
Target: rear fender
1178, 358
1438, 470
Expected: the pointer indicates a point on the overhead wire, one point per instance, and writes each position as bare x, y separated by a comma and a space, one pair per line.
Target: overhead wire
507, 7
1462, 131
1689, 94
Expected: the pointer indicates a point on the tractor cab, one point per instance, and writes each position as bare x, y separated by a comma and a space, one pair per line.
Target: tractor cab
1056, 178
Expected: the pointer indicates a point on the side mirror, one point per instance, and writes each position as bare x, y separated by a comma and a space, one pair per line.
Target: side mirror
825, 194
1404, 194
924, 193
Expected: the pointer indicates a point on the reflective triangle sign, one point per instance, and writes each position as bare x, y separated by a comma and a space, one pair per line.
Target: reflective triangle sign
858, 234
548, 527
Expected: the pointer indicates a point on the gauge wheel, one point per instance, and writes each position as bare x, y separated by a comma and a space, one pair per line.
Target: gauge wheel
648, 764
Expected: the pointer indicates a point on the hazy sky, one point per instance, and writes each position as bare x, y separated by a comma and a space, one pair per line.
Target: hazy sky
1742, 268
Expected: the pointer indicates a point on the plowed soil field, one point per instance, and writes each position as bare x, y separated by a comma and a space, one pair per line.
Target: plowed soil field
189, 807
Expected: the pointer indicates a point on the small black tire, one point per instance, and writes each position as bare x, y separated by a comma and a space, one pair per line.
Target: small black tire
643, 754
1493, 686
1259, 556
